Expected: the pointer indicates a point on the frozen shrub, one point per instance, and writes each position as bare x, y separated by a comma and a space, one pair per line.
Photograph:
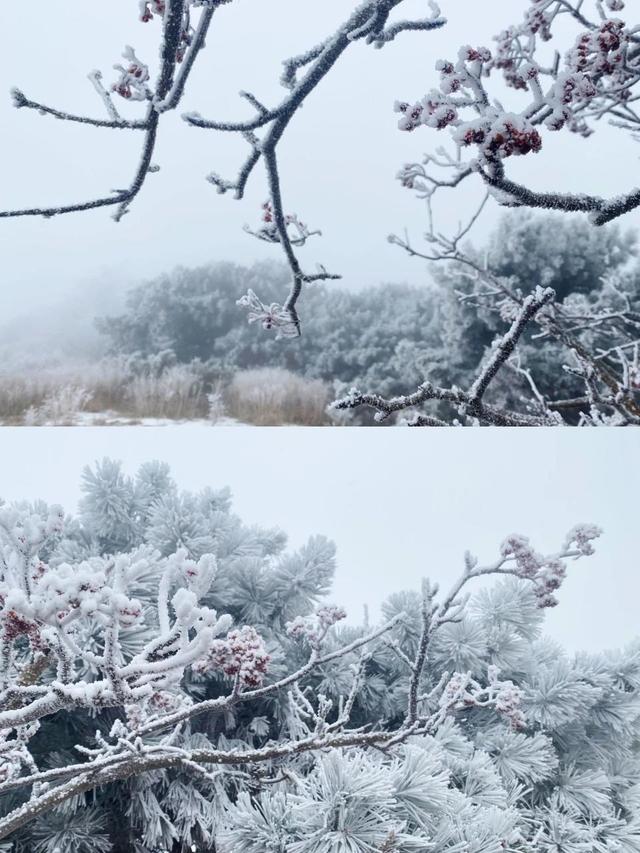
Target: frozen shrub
216, 405
59, 408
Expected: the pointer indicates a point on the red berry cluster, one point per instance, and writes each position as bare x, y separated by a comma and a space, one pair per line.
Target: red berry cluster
582, 536
602, 52
475, 54
411, 115
505, 60
517, 75
186, 37
434, 111
128, 614
570, 89
269, 229
538, 21
314, 628
449, 81
330, 614
546, 574
151, 8
505, 137
576, 88
507, 699
164, 702
123, 87
509, 140
241, 654
15, 626
463, 692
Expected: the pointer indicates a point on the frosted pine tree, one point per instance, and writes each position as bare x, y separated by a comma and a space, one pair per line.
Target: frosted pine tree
453, 725
564, 777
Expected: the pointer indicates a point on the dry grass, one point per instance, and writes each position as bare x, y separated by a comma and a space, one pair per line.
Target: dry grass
265, 397
177, 393
55, 396
274, 397
46, 394
18, 395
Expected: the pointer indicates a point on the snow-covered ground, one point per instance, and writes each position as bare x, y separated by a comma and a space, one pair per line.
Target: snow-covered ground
111, 418
114, 419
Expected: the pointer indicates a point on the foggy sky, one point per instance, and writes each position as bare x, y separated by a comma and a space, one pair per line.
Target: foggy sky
338, 161
399, 504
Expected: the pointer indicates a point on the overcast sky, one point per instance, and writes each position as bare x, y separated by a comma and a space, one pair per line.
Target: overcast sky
399, 504
338, 162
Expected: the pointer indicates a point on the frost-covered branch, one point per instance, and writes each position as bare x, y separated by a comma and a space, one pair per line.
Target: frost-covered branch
599, 341
469, 404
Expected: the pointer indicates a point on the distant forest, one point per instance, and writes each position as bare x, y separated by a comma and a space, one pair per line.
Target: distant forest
386, 339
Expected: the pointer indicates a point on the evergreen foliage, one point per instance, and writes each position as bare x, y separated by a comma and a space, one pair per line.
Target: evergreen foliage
563, 777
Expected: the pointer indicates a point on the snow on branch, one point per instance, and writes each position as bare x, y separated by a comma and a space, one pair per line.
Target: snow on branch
64, 647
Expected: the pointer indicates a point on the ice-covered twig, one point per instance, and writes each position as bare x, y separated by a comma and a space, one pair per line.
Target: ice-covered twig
165, 95
369, 21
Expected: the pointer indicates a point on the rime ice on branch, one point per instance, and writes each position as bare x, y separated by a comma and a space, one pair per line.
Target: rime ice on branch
595, 78
596, 340
470, 404
181, 42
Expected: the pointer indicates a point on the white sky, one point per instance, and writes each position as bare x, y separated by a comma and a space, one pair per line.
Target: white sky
338, 163
399, 503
